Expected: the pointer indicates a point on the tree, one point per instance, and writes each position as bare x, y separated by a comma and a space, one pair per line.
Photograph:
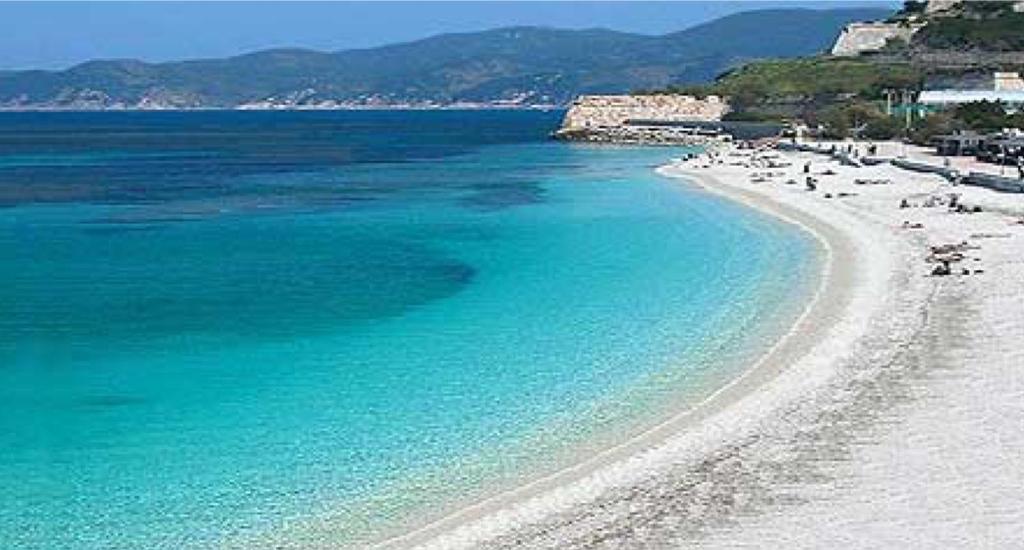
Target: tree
1015, 120
885, 127
834, 123
982, 115
857, 118
936, 124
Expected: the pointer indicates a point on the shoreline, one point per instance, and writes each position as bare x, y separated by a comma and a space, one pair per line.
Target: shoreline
803, 448
400, 108
830, 296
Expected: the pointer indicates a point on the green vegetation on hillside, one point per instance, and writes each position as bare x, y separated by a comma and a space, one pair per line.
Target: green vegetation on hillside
814, 77
804, 88
983, 26
1005, 34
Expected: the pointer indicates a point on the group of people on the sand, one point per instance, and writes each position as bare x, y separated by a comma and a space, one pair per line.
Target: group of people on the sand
945, 255
948, 259
952, 201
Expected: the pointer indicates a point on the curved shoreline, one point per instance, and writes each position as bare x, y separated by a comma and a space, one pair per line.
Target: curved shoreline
618, 466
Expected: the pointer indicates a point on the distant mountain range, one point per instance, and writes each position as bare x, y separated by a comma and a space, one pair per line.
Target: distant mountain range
508, 66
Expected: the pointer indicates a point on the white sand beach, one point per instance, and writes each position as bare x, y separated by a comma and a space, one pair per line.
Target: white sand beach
891, 416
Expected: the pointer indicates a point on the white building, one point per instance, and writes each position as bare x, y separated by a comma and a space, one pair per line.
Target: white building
1012, 101
1008, 81
1008, 89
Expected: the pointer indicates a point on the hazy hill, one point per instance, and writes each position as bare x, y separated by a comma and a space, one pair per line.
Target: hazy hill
520, 64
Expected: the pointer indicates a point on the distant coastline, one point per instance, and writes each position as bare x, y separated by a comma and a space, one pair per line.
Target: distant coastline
340, 107
509, 67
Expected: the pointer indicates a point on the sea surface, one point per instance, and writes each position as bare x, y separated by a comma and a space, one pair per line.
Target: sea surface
245, 328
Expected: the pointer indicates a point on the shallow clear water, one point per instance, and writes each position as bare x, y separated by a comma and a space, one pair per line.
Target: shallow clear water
225, 327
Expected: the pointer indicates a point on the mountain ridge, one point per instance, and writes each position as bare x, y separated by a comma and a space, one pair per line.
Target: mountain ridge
513, 66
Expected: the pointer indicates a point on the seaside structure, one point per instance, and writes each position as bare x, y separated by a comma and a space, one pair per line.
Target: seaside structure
959, 143
1006, 88
599, 111
641, 118
1012, 101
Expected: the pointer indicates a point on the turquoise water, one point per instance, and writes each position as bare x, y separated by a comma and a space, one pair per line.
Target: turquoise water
221, 328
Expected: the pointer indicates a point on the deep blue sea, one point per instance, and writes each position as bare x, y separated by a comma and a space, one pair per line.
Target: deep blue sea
228, 328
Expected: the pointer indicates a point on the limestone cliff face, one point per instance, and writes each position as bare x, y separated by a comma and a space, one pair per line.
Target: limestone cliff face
591, 112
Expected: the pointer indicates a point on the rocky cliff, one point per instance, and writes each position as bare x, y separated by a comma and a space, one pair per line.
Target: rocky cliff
628, 117
597, 111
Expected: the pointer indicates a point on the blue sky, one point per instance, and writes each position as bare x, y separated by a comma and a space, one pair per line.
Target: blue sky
55, 35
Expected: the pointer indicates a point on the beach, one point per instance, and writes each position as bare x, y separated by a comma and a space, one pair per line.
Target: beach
889, 416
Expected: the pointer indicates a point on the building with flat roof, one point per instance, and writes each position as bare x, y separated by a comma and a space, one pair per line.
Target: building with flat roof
1008, 81
1012, 100
1006, 88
